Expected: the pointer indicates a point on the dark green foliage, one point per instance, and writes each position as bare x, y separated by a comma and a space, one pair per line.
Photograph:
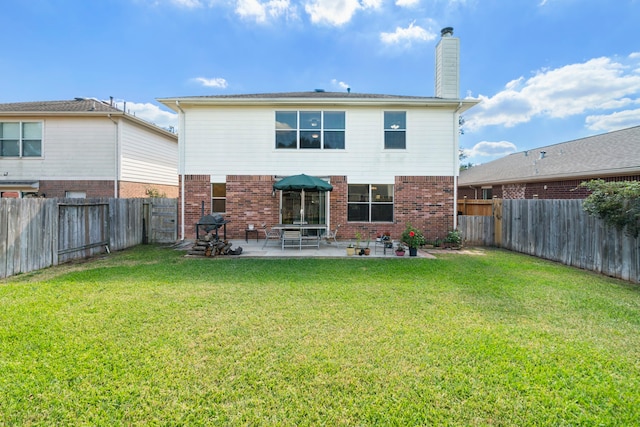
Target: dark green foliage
616, 203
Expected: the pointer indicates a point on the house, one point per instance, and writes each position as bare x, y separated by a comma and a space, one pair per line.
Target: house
556, 171
83, 148
392, 160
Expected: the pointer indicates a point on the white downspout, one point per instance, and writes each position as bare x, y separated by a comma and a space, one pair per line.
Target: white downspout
116, 157
181, 145
456, 165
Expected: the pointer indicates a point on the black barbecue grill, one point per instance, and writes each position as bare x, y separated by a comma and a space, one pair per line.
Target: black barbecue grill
212, 222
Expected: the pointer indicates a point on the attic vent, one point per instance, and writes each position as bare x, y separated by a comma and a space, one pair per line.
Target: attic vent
542, 154
319, 90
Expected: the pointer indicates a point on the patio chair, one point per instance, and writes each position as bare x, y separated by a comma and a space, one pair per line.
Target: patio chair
332, 235
269, 234
291, 239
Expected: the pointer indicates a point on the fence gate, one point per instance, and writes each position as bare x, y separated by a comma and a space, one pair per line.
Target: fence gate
161, 215
82, 228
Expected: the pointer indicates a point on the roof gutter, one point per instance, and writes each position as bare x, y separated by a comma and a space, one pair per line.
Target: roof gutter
390, 102
585, 175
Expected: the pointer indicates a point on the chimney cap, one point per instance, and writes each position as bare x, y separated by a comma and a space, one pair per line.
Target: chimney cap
446, 32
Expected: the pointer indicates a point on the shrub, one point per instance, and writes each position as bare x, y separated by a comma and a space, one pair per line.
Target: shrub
616, 203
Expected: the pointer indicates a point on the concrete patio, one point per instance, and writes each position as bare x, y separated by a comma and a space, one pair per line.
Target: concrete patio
253, 248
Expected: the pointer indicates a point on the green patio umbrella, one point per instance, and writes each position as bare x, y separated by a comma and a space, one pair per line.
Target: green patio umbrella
302, 182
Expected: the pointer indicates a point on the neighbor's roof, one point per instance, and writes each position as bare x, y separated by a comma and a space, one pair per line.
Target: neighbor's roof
75, 107
615, 153
318, 97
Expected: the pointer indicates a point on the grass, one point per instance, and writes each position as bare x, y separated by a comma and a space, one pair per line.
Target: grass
147, 336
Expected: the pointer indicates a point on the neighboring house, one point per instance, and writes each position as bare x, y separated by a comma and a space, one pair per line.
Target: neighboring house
392, 160
556, 171
83, 148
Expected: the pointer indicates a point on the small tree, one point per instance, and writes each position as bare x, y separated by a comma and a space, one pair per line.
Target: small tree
616, 203
154, 192
461, 156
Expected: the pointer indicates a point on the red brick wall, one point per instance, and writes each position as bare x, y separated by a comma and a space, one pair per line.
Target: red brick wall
139, 189
567, 189
425, 202
249, 201
476, 193
338, 208
198, 190
57, 188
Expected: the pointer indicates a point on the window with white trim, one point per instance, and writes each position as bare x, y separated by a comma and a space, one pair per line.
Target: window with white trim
310, 130
395, 129
370, 203
20, 139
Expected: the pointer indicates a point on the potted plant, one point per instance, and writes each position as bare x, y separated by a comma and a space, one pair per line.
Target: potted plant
367, 251
413, 238
453, 239
351, 250
400, 250
386, 238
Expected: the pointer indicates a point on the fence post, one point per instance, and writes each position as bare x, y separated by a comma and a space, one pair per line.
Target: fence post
497, 222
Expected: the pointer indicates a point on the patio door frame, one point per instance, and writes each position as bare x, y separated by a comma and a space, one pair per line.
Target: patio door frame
306, 197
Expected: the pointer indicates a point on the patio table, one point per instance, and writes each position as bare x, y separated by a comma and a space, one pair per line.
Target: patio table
305, 240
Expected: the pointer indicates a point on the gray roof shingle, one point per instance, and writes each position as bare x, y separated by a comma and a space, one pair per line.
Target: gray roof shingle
318, 94
609, 154
74, 105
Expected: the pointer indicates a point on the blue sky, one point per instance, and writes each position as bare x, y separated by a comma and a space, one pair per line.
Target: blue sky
547, 71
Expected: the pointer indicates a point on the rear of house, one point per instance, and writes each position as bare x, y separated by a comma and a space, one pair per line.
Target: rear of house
392, 160
83, 148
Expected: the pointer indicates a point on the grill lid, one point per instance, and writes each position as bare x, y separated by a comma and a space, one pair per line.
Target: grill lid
213, 220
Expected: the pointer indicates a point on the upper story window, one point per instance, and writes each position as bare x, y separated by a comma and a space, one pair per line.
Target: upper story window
370, 203
310, 130
20, 139
395, 129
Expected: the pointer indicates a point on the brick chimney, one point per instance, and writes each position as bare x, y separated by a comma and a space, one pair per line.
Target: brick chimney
448, 65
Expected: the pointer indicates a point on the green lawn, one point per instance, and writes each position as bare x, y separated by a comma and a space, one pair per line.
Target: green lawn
149, 337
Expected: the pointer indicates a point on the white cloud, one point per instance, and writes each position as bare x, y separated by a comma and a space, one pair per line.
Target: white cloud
153, 114
599, 84
407, 3
614, 121
490, 149
341, 85
188, 3
407, 35
216, 82
262, 11
337, 12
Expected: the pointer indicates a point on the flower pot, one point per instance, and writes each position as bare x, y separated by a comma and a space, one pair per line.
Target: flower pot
400, 253
413, 251
351, 251
367, 251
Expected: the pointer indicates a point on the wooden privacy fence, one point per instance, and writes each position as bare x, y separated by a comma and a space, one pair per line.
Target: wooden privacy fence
39, 233
476, 207
558, 230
